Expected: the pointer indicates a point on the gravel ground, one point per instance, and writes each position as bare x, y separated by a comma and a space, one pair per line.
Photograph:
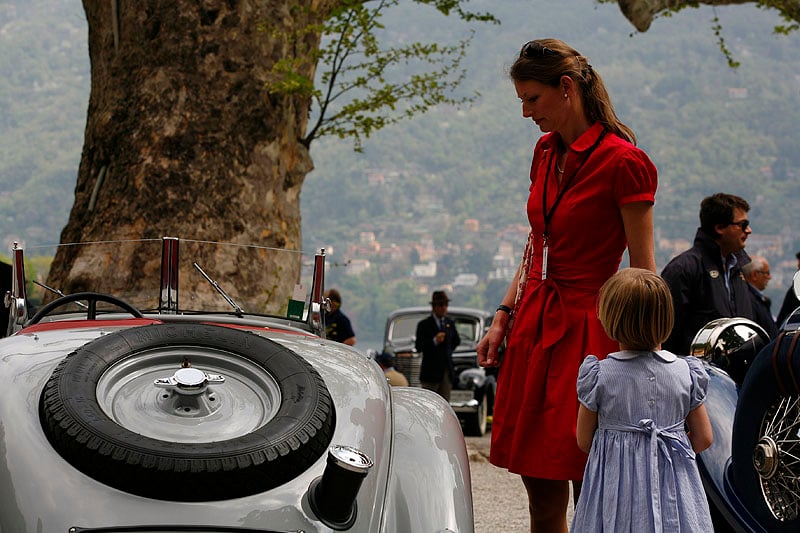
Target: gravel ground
499, 500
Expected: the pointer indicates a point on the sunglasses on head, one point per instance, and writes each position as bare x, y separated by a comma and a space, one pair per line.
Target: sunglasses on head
743, 224
534, 49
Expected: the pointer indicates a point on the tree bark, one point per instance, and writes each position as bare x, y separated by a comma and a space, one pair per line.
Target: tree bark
641, 12
182, 138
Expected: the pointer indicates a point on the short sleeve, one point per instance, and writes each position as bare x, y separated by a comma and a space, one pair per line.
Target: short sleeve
636, 178
699, 378
587, 382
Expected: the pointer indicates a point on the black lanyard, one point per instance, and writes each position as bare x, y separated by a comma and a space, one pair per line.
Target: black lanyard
549, 215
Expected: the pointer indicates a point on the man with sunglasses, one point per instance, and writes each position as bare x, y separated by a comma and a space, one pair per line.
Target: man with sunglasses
706, 281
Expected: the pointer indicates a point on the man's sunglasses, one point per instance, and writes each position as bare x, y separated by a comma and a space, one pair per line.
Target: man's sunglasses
743, 224
533, 49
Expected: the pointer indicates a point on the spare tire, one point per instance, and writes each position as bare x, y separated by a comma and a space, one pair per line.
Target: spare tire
120, 410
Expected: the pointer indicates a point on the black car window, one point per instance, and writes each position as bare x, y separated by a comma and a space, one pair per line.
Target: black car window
404, 327
467, 329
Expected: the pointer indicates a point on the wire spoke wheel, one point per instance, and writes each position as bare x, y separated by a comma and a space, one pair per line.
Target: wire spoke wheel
777, 458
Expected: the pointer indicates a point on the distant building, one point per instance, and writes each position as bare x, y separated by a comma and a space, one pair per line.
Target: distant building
472, 225
357, 266
424, 270
467, 279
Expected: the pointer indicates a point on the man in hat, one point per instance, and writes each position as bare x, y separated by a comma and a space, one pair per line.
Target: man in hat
386, 362
436, 339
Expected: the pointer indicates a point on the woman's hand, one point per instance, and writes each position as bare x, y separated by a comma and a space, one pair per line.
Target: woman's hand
491, 342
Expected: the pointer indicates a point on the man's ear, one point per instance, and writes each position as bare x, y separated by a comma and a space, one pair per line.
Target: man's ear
718, 230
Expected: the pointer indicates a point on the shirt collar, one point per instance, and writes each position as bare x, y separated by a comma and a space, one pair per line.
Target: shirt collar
625, 355
582, 143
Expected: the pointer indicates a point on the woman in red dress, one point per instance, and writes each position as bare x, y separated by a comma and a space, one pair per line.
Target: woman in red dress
591, 196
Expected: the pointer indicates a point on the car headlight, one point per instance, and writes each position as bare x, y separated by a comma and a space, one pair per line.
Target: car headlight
730, 344
472, 378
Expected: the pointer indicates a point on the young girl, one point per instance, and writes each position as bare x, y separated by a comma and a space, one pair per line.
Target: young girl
635, 405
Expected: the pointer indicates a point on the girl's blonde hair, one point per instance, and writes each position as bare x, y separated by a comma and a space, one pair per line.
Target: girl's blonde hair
635, 308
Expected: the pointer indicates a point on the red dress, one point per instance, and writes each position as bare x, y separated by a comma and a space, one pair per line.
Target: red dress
556, 324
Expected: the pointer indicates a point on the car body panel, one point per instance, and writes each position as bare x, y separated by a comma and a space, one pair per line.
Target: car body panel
416, 480
714, 462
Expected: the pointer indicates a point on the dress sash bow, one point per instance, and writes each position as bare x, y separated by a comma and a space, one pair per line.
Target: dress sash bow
663, 441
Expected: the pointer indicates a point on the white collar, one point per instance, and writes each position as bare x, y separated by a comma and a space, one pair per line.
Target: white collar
624, 355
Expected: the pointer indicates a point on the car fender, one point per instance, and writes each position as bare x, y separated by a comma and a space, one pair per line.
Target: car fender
714, 462
429, 487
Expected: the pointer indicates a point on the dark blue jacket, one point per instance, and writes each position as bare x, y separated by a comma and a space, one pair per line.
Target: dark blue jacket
697, 283
762, 308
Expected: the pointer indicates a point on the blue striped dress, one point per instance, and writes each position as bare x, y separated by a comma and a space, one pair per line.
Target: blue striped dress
642, 475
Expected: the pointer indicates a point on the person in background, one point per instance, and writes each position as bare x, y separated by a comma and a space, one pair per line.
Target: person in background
591, 195
337, 325
635, 396
386, 362
790, 301
757, 274
436, 338
706, 280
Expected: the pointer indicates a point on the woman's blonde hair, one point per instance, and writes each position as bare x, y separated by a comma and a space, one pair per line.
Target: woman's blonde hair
555, 58
635, 308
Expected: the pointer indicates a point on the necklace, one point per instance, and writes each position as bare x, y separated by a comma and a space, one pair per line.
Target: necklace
558, 167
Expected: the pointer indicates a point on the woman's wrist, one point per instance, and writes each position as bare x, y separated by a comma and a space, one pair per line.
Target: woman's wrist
505, 309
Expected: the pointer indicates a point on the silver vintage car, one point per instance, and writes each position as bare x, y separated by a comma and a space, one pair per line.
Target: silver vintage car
188, 408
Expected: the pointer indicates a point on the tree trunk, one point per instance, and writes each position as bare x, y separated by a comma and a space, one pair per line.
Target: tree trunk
641, 12
183, 140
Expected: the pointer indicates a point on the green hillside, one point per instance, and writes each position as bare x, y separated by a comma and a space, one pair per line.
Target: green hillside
706, 126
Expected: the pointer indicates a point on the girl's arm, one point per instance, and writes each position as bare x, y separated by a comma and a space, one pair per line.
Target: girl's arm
587, 425
700, 433
637, 218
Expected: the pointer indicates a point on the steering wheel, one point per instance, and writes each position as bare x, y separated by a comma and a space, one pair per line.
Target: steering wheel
92, 298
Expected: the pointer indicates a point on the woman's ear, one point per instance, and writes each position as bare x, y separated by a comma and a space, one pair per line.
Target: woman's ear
566, 85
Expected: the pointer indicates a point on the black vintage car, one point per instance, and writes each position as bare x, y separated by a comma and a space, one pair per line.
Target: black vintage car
751, 473
474, 389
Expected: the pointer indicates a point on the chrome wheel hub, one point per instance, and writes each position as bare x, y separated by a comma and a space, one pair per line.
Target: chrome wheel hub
188, 394
776, 458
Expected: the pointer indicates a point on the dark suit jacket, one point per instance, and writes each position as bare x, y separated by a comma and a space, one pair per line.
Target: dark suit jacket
790, 303
436, 359
761, 306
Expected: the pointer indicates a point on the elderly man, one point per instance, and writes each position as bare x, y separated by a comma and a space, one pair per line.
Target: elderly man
706, 281
757, 274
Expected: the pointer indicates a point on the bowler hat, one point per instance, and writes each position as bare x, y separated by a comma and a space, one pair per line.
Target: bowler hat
439, 297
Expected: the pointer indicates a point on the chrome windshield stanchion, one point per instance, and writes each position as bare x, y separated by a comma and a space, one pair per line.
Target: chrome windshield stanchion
168, 295
16, 300
316, 312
